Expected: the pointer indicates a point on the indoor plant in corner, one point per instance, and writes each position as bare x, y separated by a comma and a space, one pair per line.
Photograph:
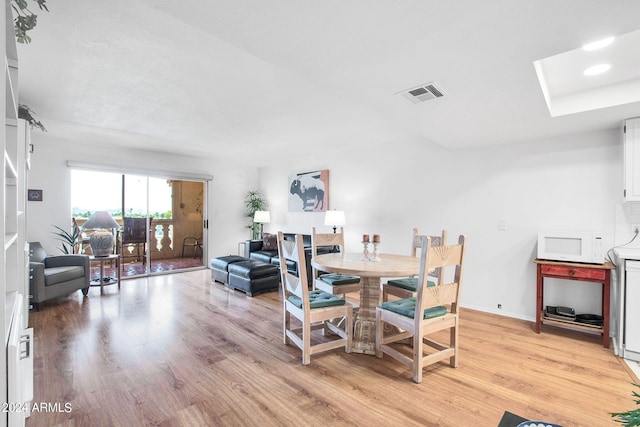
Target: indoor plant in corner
70, 240
254, 201
631, 417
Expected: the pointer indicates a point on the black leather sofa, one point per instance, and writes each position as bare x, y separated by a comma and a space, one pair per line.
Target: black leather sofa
253, 249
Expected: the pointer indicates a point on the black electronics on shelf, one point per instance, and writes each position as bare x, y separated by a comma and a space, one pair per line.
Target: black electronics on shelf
590, 319
560, 312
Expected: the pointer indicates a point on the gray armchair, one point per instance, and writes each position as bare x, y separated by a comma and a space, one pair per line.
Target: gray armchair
56, 276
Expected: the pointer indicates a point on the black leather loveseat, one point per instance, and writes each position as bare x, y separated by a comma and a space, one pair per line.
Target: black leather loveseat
259, 251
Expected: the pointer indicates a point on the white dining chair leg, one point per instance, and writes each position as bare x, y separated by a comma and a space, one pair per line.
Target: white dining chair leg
306, 340
286, 325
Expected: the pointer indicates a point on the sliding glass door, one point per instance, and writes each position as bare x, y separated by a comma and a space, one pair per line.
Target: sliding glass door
161, 218
134, 240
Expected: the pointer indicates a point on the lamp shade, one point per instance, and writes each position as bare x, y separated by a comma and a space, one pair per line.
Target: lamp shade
334, 218
101, 241
100, 220
262, 217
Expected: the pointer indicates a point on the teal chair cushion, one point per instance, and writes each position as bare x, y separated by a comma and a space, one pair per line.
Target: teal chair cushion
336, 279
408, 283
407, 307
317, 299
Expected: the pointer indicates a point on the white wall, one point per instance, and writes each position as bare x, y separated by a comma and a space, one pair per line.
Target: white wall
570, 183
49, 172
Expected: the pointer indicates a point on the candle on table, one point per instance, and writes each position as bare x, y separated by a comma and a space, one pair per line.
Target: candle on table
365, 237
376, 238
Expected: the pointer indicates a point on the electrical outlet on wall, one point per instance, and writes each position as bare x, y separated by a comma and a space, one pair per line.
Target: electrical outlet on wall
635, 228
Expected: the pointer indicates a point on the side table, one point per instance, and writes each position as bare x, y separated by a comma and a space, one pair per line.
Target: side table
599, 273
103, 281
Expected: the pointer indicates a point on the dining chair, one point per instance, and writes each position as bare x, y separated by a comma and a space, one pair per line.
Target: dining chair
435, 308
406, 287
333, 283
134, 235
313, 309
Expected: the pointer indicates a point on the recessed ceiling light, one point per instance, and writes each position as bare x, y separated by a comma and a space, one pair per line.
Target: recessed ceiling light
597, 69
598, 44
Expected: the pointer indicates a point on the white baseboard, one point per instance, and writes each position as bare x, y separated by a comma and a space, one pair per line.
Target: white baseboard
634, 366
499, 313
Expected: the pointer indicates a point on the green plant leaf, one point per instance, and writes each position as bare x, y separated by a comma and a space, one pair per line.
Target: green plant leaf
26, 113
25, 20
42, 5
69, 239
632, 417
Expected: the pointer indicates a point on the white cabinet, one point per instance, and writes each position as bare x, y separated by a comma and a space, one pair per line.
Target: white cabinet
16, 370
631, 140
19, 367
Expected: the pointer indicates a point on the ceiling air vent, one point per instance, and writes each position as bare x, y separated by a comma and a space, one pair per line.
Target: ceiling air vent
423, 93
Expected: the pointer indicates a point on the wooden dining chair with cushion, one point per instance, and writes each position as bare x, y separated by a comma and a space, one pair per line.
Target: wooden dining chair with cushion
406, 287
333, 283
435, 308
312, 309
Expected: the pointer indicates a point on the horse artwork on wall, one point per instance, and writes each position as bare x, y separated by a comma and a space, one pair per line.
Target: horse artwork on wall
309, 191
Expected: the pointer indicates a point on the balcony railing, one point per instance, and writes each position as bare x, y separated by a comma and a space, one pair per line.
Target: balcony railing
161, 241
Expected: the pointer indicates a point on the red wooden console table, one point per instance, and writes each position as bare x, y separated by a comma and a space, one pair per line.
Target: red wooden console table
599, 273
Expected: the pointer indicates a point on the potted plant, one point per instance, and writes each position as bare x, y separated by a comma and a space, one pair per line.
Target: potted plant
70, 240
26, 113
254, 201
631, 417
25, 20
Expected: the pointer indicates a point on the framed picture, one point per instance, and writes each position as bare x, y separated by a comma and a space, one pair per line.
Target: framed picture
34, 195
309, 191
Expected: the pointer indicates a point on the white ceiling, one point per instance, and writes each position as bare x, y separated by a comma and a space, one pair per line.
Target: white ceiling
255, 78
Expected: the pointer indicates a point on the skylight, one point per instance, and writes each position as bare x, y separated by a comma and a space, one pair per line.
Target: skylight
600, 74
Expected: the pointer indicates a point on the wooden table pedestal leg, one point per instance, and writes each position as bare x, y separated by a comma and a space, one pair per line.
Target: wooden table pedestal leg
364, 336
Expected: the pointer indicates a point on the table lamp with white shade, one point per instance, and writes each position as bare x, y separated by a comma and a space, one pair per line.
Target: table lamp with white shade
334, 219
262, 217
101, 240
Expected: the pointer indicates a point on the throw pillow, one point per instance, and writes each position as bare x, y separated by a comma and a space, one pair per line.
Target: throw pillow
269, 242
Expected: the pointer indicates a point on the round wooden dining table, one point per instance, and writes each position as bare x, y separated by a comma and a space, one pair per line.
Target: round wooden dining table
371, 274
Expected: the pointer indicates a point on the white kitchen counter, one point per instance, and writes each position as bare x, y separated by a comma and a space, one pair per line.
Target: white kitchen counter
627, 253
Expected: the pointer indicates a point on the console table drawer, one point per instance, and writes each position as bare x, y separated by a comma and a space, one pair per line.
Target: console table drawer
577, 272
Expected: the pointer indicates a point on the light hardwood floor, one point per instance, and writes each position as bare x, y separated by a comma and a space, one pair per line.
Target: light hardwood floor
181, 350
